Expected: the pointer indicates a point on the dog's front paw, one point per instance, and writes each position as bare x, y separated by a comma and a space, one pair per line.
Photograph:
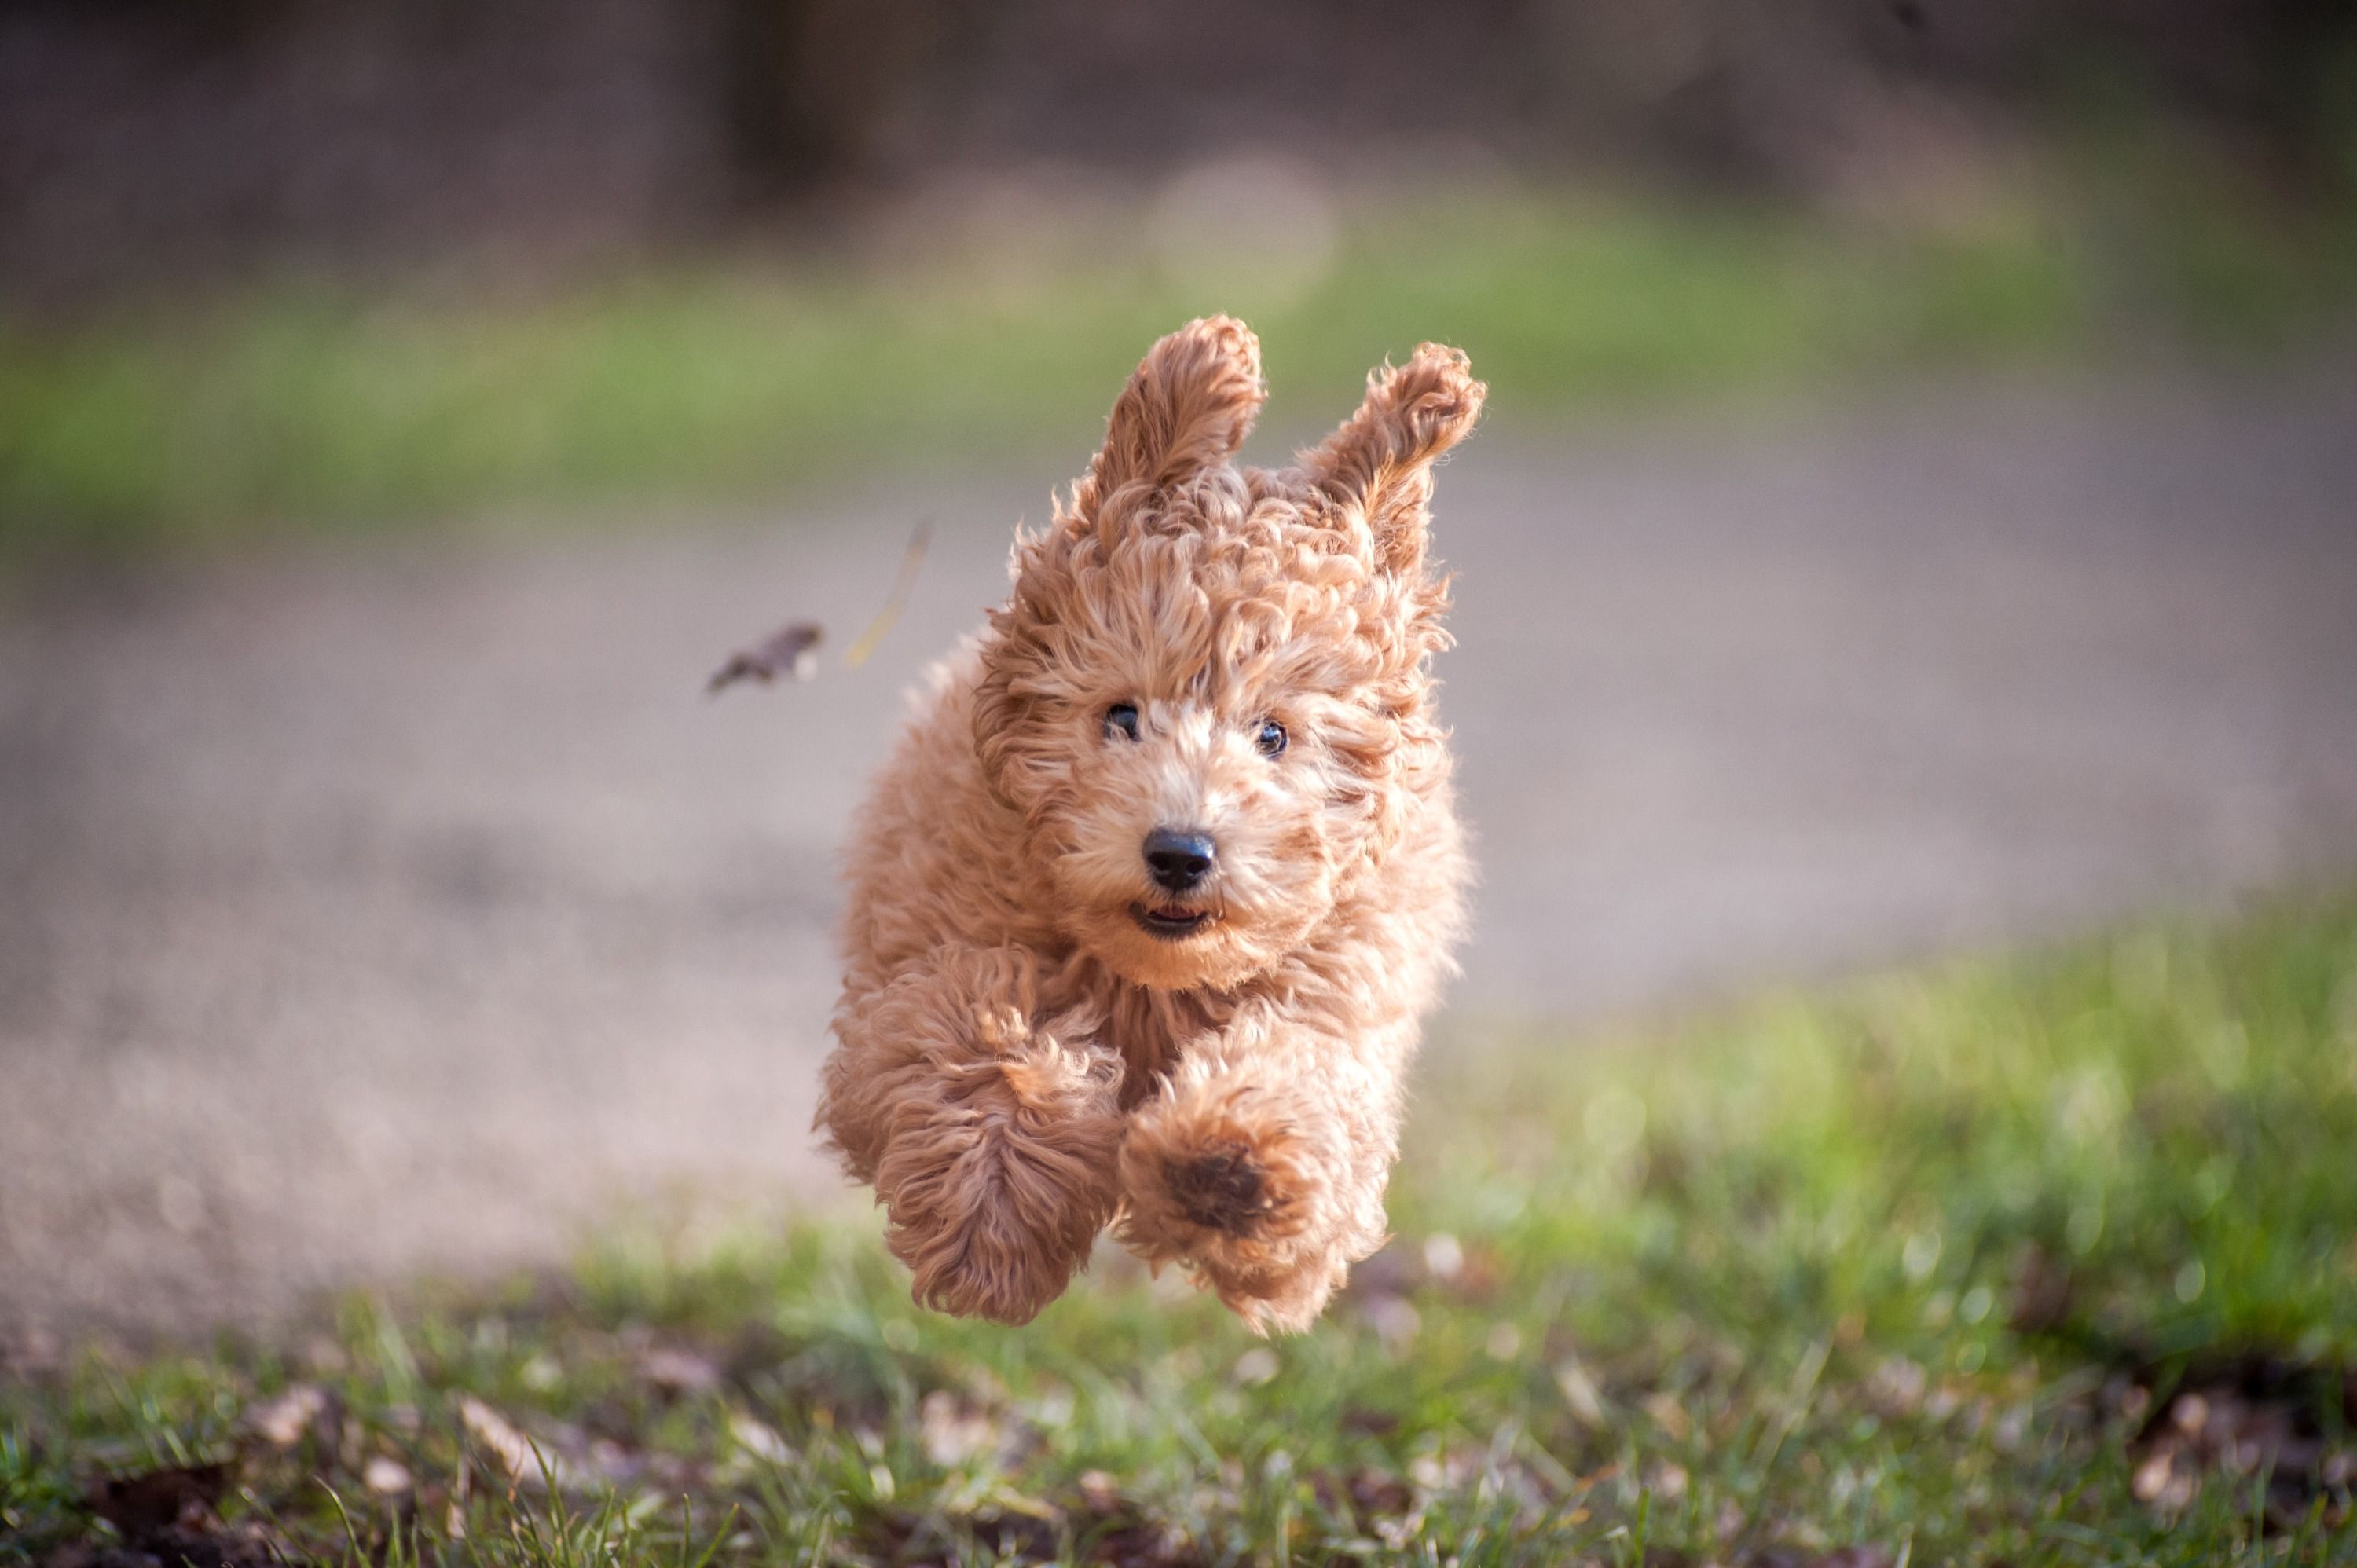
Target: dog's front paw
983, 1262
1221, 1186
1240, 1196
997, 1185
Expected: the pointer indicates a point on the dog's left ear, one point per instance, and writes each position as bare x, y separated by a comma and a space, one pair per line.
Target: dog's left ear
1380, 461
1190, 405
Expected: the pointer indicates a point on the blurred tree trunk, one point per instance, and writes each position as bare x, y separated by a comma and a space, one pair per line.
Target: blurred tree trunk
809, 88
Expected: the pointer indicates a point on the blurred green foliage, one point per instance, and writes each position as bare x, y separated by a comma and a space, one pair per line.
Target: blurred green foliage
308, 408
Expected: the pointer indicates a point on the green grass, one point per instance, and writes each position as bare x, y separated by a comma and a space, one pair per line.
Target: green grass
1937, 1268
296, 407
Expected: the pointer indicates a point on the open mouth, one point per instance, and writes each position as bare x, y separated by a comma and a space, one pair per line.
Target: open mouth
1169, 922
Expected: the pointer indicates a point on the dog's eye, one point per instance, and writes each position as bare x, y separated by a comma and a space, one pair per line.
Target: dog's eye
1271, 739
1122, 719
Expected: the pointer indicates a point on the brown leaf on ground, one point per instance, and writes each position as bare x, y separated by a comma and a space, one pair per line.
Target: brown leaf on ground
675, 1371
2040, 1297
1011, 1537
244, 1546
954, 1429
1130, 1539
1101, 1493
518, 1458
286, 1419
1375, 1495
141, 1505
1108, 1527
1895, 1388
791, 652
1367, 1496
386, 1477
2253, 1415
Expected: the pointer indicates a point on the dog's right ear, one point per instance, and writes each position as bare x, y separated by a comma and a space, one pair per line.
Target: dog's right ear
1379, 463
1188, 405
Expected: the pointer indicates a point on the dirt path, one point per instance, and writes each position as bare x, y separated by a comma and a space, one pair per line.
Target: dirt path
405, 908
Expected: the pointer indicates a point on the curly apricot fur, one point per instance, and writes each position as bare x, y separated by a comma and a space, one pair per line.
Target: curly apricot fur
1021, 1060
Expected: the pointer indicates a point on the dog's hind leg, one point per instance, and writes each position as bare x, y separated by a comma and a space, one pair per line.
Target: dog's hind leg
991, 1134
1262, 1165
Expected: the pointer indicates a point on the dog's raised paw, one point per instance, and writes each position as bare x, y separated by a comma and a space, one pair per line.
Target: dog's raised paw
1221, 1187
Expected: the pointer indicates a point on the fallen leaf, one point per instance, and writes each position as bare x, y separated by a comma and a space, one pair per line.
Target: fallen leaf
385, 1477
1378, 1495
1579, 1392
2160, 1483
1668, 1414
2042, 1292
248, 1545
1256, 1366
1895, 1388
1100, 1493
1371, 1498
678, 1371
616, 1464
141, 1505
758, 1438
524, 1462
2239, 1417
283, 1420
792, 651
954, 1430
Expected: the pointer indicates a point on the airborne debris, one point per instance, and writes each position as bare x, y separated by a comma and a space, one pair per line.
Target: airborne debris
792, 649
791, 652
910, 559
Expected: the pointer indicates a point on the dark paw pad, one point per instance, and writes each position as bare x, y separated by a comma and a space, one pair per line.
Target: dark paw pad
1219, 1188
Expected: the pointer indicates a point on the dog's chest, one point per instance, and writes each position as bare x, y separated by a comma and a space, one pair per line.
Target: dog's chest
1149, 1028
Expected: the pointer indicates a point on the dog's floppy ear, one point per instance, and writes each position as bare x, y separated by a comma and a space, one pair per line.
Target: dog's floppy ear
1380, 461
1190, 405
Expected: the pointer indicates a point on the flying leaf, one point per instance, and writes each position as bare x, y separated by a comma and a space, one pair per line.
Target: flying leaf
791, 651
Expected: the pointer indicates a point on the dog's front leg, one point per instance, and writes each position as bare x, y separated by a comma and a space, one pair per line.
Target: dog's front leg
991, 1134
1261, 1167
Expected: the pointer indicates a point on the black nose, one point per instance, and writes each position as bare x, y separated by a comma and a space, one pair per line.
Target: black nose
1179, 860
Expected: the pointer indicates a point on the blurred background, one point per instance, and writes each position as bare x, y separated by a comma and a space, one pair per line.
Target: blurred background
1918, 510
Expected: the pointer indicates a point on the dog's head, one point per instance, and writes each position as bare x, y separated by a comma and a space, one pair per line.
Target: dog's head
1209, 695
